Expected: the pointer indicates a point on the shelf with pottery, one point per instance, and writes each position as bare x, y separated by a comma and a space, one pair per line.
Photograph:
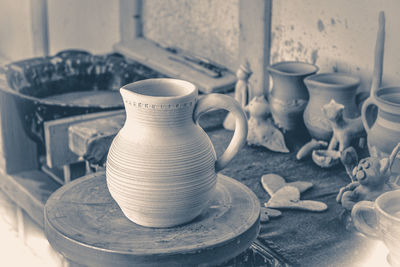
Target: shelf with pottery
251, 163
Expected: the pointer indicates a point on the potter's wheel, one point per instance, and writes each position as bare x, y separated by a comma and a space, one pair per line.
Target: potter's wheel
85, 224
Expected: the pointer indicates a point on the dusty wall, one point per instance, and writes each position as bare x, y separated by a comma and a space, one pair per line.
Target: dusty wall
87, 24
336, 35
15, 29
206, 27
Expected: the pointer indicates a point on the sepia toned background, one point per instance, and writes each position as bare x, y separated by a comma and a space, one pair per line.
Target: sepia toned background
335, 35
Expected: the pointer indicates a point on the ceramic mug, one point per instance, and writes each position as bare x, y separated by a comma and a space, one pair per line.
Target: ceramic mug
381, 219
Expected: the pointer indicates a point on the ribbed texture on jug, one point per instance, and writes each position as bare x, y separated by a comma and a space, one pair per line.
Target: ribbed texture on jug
161, 186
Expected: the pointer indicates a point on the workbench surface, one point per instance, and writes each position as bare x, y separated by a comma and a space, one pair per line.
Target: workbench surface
297, 237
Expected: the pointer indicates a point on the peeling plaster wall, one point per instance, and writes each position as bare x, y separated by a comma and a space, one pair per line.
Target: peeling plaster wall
208, 28
337, 35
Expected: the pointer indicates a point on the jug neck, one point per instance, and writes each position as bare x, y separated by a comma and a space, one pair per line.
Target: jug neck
158, 115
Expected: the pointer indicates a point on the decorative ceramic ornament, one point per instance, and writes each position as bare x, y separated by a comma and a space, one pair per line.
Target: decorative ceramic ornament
287, 195
242, 93
262, 131
272, 182
371, 179
161, 167
309, 147
344, 129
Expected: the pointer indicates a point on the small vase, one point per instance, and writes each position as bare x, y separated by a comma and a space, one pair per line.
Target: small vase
161, 166
288, 97
323, 88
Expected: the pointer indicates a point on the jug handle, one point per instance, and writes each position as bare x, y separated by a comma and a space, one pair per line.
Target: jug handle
366, 112
220, 101
367, 227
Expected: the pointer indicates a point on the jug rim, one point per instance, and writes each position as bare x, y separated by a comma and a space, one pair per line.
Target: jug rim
378, 95
331, 80
312, 68
161, 89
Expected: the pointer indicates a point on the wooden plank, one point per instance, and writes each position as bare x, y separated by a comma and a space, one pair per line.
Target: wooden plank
100, 132
130, 19
170, 64
29, 190
73, 171
254, 42
39, 25
18, 151
56, 137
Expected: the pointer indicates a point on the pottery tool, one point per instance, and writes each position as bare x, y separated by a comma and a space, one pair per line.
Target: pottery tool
287, 195
379, 54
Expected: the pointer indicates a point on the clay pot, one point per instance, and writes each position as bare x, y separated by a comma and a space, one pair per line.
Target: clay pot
323, 88
161, 166
383, 127
288, 97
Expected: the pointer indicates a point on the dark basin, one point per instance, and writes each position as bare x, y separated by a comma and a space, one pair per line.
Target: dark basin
70, 83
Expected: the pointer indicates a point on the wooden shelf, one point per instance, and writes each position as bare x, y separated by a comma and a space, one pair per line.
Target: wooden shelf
170, 64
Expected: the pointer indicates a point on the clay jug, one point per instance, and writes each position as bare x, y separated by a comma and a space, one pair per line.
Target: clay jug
288, 96
323, 88
161, 167
383, 126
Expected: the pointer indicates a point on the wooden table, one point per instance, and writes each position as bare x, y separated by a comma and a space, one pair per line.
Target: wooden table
85, 224
315, 238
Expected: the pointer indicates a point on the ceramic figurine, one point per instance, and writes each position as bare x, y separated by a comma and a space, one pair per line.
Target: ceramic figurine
344, 129
161, 167
287, 195
267, 213
349, 159
309, 147
288, 96
371, 179
262, 131
323, 88
241, 93
325, 158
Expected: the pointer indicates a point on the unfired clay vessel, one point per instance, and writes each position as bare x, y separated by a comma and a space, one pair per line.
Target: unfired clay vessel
288, 97
323, 88
383, 127
161, 166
